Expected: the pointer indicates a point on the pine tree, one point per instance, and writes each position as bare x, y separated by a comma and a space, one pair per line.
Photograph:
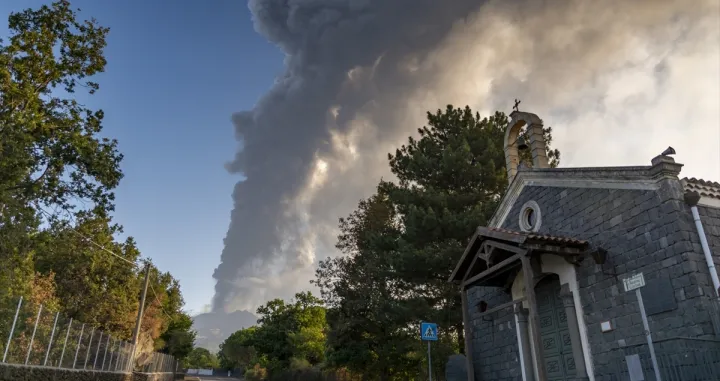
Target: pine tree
403, 243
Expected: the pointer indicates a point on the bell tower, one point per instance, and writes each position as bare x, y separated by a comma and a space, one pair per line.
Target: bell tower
537, 147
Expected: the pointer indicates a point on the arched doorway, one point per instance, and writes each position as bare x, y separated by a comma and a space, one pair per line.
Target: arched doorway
554, 331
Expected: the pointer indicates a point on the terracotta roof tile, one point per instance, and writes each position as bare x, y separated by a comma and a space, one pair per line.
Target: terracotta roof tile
703, 187
543, 237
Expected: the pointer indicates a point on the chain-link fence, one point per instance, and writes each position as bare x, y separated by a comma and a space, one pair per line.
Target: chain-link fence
35, 335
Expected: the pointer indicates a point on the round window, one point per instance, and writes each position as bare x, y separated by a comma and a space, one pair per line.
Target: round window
530, 217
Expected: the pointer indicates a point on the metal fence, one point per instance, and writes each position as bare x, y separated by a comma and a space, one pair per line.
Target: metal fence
156, 363
678, 359
34, 335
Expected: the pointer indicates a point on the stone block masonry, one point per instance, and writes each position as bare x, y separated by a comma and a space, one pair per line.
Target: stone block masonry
643, 231
12, 372
494, 337
710, 218
154, 377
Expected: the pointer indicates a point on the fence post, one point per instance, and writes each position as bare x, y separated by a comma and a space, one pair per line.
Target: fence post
123, 357
52, 336
77, 350
114, 341
102, 367
118, 356
12, 329
128, 354
62, 354
97, 351
130, 361
32, 338
87, 352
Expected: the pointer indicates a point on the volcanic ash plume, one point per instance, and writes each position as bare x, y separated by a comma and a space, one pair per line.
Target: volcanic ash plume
360, 75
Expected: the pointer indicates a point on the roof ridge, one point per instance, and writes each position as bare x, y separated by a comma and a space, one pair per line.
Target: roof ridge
701, 181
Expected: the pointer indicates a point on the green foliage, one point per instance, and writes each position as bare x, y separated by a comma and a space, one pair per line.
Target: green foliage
51, 153
102, 287
289, 336
256, 373
53, 157
402, 243
201, 358
294, 330
179, 338
237, 351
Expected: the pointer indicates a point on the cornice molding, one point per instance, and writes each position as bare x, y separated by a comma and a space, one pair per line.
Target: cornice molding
633, 178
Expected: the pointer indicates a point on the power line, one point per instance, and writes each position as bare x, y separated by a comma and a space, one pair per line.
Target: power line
159, 304
88, 239
101, 247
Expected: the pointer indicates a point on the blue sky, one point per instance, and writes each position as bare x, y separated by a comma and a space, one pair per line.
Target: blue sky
176, 72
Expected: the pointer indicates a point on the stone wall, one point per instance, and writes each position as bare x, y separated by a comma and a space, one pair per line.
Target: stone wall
495, 343
710, 218
12, 372
644, 231
154, 377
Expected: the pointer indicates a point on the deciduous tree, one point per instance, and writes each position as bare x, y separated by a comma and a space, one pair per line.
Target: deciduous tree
56, 168
51, 152
201, 358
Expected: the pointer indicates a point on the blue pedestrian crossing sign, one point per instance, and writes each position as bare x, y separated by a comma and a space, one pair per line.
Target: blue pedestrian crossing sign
428, 331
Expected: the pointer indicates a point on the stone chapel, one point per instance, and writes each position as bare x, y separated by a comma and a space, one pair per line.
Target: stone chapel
577, 262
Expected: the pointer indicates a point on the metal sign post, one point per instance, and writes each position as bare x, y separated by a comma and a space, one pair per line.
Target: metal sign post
636, 282
428, 332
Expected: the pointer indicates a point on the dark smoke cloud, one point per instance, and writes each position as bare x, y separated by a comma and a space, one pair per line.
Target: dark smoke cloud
361, 73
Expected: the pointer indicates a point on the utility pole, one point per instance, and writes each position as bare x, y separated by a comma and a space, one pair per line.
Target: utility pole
141, 310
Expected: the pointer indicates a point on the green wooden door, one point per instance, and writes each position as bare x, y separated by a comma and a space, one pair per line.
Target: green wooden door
554, 333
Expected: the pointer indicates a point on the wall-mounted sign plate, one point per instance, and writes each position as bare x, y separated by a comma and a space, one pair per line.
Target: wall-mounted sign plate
634, 282
606, 326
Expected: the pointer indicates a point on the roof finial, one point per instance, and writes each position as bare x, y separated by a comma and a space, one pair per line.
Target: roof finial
517, 103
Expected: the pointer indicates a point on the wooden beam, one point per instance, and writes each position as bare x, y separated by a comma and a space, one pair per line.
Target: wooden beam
467, 327
510, 280
478, 255
454, 276
529, 277
470, 268
490, 252
553, 249
502, 306
492, 270
483, 252
506, 247
503, 236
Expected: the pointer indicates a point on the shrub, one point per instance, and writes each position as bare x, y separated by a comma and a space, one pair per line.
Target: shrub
256, 373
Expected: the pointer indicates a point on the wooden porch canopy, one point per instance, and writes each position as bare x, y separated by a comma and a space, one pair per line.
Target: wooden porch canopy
494, 257
493, 252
